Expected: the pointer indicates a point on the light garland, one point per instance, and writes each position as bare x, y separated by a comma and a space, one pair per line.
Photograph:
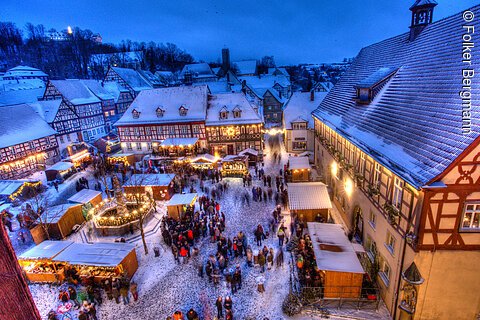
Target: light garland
14, 195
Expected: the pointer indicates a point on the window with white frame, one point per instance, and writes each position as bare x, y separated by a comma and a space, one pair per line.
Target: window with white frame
397, 193
390, 242
372, 219
371, 248
361, 165
377, 176
471, 217
384, 270
139, 146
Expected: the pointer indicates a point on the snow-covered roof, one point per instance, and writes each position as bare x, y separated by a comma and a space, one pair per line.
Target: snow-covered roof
133, 78
230, 102
170, 100
413, 127
96, 254
75, 91
260, 84
220, 86
278, 71
333, 251
420, 3
245, 67
198, 70
55, 213
46, 109
300, 105
84, 196
20, 123
99, 90
48, 249
248, 151
149, 179
182, 199
7, 187
308, 195
298, 163
21, 96
60, 166
114, 89
21, 84
204, 158
24, 71
176, 142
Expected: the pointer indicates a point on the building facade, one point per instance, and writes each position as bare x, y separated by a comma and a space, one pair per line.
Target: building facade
404, 173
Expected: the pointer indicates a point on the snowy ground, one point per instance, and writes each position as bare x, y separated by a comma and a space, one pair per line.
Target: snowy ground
165, 286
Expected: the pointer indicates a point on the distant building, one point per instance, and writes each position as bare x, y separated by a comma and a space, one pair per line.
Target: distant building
298, 122
197, 73
57, 35
232, 124
25, 72
80, 99
27, 142
245, 67
108, 99
130, 59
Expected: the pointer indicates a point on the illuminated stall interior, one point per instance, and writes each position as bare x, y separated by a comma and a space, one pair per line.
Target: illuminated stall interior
88, 198
179, 203
160, 186
60, 171
298, 169
175, 147
234, 166
204, 161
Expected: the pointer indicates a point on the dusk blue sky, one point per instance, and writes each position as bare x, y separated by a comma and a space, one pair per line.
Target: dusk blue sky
293, 31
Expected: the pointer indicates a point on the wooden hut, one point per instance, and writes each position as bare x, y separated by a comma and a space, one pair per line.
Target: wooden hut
60, 171
253, 156
59, 220
127, 159
38, 265
161, 186
203, 161
309, 200
234, 166
337, 261
177, 205
87, 198
101, 260
299, 169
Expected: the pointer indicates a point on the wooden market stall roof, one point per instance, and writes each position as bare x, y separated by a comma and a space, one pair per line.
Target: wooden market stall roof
333, 251
120, 155
176, 142
8, 187
308, 196
233, 158
204, 158
182, 199
55, 213
96, 254
60, 166
149, 179
84, 196
48, 249
298, 163
248, 151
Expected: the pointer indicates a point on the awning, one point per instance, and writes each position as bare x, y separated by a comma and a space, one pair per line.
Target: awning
308, 195
333, 251
45, 250
96, 254
248, 151
182, 199
7, 187
84, 196
204, 158
60, 166
179, 142
298, 163
120, 155
78, 156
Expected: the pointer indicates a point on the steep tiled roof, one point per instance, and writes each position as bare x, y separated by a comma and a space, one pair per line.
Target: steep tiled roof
133, 78
414, 124
75, 91
245, 67
230, 102
300, 106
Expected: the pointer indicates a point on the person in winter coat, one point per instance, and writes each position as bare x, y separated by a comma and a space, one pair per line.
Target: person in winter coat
183, 254
229, 315
73, 296
261, 261
227, 304
281, 236
219, 305
192, 315
108, 289
237, 276
124, 294
81, 316
133, 290
116, 293
178, 315
270, 258
92, 311
175, 253
249, 256
279, 258
259, 235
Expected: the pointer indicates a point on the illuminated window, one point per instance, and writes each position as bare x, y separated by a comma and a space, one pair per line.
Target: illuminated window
372, 219
397, 193
471, 217
384, 270
377, 176
371, 248
390, 242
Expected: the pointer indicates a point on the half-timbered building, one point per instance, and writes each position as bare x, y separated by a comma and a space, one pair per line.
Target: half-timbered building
107, 99
232, 124
159, 114
79, 99
404, 171
27, 142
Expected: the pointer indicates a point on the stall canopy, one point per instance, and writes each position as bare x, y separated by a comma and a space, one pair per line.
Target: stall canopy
149, 180
308, 196
60, 166
204, 158
248, 151
45, 250
333, 251
176, 142
97, 254
182, 199
55, 213
84, 196
8, 187
298, 163
233, 158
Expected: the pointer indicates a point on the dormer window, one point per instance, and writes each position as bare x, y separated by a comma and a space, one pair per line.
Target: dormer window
160, 112
369, 87
237, 112
223, 113
135, 114
182, 111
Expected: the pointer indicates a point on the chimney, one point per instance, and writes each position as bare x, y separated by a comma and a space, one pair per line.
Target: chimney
312, 95
422, 16
225, 59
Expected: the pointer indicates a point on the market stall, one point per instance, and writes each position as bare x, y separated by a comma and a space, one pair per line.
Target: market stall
88, 198
204, 161
234, 166
38, 265
125, 159
337, 260
101, 260
176, 147
60, 221
60, 171
78, 153
309, 201
161, 186
253, 156
178, 204
298, 169
10, 190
